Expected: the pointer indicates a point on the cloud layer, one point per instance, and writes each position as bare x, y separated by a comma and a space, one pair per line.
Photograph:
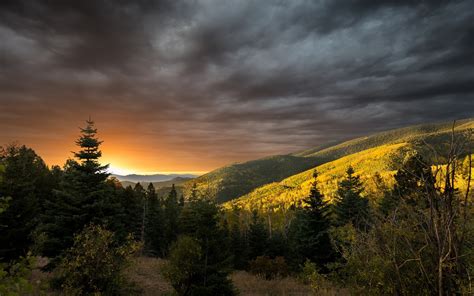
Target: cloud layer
197, 84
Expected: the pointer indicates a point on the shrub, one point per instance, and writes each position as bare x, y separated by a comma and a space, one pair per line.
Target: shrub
269, 268
95, 264
190, 273
14, 277
310, 275
183, 265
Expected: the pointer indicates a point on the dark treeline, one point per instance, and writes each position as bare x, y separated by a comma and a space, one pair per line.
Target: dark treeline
415, 239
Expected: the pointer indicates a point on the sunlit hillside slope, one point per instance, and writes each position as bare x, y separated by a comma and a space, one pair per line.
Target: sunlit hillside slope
290, 191
240, 179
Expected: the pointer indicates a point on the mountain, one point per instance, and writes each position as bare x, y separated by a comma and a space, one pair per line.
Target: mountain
383, 160
240, 179
134, 178
178, 181
163, 188
283, 194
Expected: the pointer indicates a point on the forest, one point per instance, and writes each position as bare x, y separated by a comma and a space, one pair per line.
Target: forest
410, 233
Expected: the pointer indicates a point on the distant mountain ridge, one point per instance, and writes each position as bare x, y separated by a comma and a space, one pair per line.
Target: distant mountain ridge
178, 181
134, 178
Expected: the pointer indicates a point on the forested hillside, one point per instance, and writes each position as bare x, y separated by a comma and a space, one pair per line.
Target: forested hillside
237, 180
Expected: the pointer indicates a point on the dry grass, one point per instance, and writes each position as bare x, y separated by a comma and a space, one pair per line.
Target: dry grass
145, 272
248, 284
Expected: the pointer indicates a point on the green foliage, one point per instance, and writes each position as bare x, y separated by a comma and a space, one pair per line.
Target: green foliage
184, 265
238, 246
200, 220
4, 204
171, 213
320, 284
27, 182
154, 239
350, 206
421, 245
269, 268
89, 152
14, 277
411, 182
95, 264
309, 232
132, 207
142, 202
278, 245
381, 261
84, 196
232, 181
257, 237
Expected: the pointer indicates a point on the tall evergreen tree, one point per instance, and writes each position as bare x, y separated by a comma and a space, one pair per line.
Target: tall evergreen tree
412, 181
83, 196
200, 220
141, 197
238, 247
310, 238
26, 181
350, 206
171, 211
154, 228
257, 237
133, 210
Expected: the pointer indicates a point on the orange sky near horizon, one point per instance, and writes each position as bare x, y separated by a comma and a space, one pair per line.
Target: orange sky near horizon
123, 157
124, 152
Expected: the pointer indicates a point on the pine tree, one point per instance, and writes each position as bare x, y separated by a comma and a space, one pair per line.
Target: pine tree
83, 196
141, 197
200, 220
194, 192
278, 245
133, 210
310, 238
412, 181
257, 237
171, 211
27, 182
350, 206
238, 247
154, 229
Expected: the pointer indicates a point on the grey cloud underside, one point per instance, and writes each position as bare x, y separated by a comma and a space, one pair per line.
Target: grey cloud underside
277, 75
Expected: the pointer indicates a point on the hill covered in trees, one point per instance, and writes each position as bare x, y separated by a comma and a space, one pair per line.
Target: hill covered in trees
238, 180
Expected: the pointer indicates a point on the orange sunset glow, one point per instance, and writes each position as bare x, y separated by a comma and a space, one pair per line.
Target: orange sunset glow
124, 154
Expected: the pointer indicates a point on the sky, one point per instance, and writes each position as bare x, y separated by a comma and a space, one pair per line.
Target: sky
189, 86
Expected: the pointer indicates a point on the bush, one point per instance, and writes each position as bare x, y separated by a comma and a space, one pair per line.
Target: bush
183, 265
269, 268
14, 278
310, 275
190, 274
95, 264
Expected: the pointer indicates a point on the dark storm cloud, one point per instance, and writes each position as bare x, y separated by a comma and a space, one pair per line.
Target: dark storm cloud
277, 75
